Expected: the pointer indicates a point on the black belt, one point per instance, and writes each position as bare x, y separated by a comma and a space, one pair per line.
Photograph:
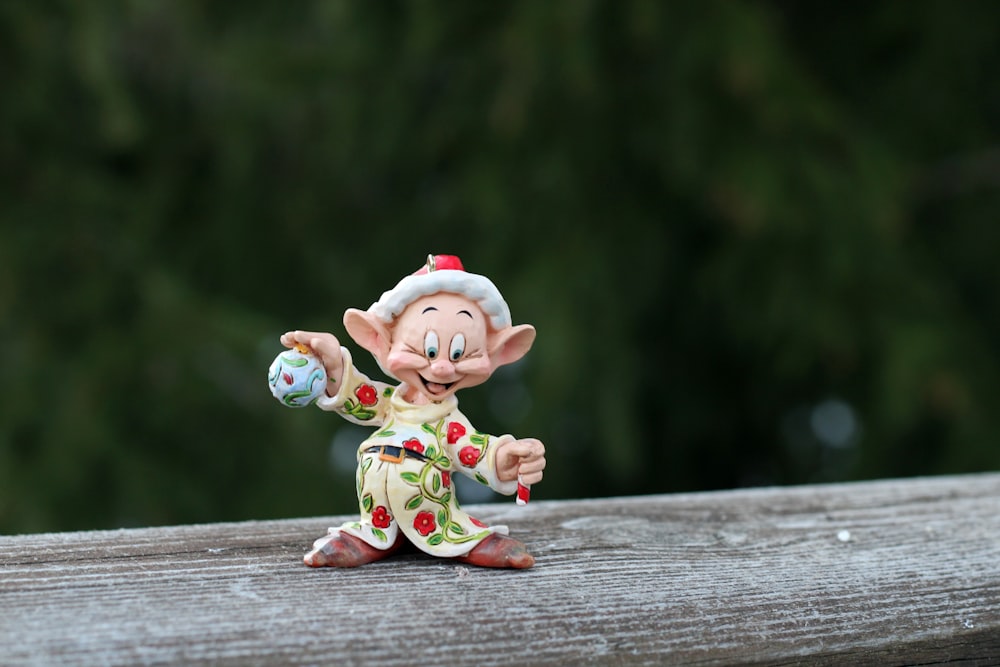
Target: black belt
395, 454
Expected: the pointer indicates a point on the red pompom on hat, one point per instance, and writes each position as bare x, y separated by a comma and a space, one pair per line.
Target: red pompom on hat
444, 273
440, 263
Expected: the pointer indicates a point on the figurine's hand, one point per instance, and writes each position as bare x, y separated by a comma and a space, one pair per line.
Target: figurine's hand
327, 348
525, 457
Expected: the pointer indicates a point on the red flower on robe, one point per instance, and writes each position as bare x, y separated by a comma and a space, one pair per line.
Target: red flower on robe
424, 523
455, 431
477, 522
366, 395
445, 479
381, 517
414, 445
469, 456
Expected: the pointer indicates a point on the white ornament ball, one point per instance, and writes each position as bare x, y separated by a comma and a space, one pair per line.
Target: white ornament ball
297, 378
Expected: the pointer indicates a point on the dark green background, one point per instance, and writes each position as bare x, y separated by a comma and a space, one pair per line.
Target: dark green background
759, 240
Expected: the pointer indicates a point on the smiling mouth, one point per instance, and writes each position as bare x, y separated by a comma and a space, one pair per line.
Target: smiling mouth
435, 388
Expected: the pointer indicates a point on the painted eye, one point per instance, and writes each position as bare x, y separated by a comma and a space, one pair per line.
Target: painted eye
431, 345
457, 347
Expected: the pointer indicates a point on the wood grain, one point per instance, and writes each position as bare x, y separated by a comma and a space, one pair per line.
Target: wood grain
888, 572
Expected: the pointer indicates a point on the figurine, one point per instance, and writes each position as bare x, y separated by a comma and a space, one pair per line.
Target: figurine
439, 330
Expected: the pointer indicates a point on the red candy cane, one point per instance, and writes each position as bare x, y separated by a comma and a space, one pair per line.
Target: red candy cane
523, 492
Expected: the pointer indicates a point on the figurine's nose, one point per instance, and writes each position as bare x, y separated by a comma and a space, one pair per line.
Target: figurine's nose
442, 367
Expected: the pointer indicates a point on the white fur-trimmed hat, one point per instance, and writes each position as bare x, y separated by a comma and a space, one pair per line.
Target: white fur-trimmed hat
444, 273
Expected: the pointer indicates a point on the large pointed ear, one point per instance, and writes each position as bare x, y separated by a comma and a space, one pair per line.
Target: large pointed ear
368, 331
508, 345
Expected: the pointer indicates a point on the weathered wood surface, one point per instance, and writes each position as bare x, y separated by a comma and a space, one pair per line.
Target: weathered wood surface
891, 572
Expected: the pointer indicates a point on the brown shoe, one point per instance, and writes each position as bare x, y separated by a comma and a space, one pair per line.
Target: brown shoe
499, 551
343, 550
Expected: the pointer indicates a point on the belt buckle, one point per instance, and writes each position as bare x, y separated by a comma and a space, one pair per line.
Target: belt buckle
388, 457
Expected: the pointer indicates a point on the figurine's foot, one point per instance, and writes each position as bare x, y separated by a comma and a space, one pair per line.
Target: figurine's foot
342, 550
499, 551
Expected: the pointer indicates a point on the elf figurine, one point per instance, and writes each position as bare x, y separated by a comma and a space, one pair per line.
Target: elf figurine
437, 331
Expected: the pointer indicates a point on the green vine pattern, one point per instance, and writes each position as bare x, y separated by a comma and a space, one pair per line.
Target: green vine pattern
436, 452
362, 413
367, 502
386, 431
428, 483
358, 411
431, 488
365, 465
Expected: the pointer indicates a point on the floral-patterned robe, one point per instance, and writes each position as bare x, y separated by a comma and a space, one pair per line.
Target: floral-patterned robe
415, 496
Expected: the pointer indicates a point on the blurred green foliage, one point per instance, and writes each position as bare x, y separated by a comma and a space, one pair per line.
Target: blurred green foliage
758, 239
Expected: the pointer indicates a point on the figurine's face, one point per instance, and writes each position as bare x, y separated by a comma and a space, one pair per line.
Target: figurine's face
439, 345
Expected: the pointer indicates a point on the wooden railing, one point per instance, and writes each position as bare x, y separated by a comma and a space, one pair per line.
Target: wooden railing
887, 572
